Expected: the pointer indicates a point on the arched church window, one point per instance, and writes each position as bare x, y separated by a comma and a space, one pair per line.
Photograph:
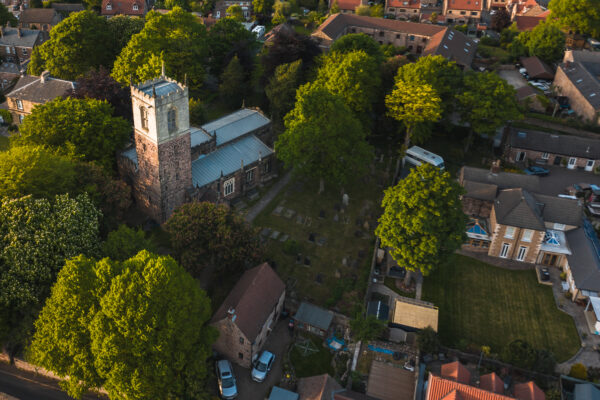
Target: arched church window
144, 117
172, 119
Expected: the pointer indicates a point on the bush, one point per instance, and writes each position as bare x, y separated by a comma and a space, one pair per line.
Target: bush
489, 41
579, 371
6, 116
428, 341
563, 276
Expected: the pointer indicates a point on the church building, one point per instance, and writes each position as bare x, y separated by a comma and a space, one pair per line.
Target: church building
172, 162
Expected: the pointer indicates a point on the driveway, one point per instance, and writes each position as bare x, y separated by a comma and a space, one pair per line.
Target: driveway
513, 77
277, 343
561, 177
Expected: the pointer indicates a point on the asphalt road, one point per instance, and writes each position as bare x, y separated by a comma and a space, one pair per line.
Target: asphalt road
24, 385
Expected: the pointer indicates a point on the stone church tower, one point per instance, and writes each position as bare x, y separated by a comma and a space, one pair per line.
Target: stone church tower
162, 143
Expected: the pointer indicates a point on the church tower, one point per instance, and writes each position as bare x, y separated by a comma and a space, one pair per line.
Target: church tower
162, 143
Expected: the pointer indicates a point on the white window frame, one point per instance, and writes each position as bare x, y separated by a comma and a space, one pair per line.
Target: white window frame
218, 14
109, 7
545, 156
19, 105
135, 7
229, 187
527, 235
24, 52
7, 49
510, 235
504, 250
522, 253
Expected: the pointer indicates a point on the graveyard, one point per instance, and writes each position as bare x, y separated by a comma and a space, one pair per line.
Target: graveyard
322, 244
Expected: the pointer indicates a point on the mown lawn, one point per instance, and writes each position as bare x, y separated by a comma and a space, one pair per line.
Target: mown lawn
484, 305
312, 364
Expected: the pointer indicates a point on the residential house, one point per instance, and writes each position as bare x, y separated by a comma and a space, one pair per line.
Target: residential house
497, 4
17, 44
131, 8
527, 96
463, 11
220, 10
536, 68
527, 146
348, 6
249, 314
510, 220
313, 319
278, 393
407, 9
9, 73
527, 8
171, 162
528, 391
528, 22
578, 78
31, 91
417, 38
492, 383
43, 19
66, 9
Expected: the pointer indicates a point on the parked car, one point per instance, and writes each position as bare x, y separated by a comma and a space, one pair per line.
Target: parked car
226, 380
537, 170
545, 274
578, 189
262, 366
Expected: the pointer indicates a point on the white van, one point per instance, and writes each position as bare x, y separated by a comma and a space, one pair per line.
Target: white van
417, 156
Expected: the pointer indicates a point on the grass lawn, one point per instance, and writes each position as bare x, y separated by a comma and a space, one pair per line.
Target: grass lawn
328, 281
314, 363
485, 305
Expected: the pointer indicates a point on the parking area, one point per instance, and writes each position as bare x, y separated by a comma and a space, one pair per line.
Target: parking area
277, 343
513, 77
559, 178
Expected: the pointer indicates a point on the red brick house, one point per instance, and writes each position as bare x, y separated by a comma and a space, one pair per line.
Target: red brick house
348, 6
463, 11
131, 8
249, 314
407, 9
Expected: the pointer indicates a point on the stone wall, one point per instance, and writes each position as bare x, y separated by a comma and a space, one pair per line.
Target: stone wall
516, 242
232, 343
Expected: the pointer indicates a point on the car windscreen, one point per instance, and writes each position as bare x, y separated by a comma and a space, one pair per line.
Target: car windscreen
228, 382
261, 366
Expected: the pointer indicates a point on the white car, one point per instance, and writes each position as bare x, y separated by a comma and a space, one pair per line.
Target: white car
226, 380
262, 366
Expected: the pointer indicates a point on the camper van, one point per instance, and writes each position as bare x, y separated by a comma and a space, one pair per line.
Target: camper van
417, 156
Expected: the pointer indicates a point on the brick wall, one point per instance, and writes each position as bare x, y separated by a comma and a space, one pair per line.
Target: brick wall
533, 155
232, 342
417, 45
516, 242
14, 109
577, 101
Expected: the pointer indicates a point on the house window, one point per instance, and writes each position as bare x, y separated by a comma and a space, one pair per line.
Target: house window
589, 165
510, 232
241, 340
473, 12
527, 234
412, 38
109, 7
504, 251
135, 7
521, 156
545, 156
250, 176
522, 252
450, 12
463, 12
144, 117
398, 36
353, 30
172, 120
241, 356
229, 187
381, 33
390, 9
559, 227
267, 167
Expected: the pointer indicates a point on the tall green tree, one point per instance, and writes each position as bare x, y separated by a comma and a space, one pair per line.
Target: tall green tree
227, 38
77, 44
235, 12
335, 8
545, 41
231, 88
6, 17
36, 236
178, 39
414, 104
422, 221
84, 129
358, 41
126, 242
122, 28
281, 90
366, 328
137, 328
262, 8
579, 15
206, 234
486, 103
355, 77
322, 138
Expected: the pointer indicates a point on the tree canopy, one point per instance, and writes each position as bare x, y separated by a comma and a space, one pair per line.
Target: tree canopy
107, 324
281, 90
579, 15
177, 38
205, 234
358, 41
6, 17
500, 20
126, 242
422, 221
36, 236
322, 138
77, 44
231, 88
122, 28
235, 11
545, 41
286, 47
262, 8
227, 38
83, 129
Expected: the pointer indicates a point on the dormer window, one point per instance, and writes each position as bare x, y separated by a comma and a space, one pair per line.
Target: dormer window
135, 7
109, 7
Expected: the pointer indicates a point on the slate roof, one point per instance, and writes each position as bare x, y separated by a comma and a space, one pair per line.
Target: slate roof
68, 7
536, 68
253, 298
567, 145
584, 74
198, 136
583, 262
28, 37
452, 45
480, 191
471, 5
528, 391
161, 88
319, 387
492, 383
524, 92
40, 92
503, 180
278, 393
37, 16
517, 207
439, 388
124, 7
227, 159
560, 210
456, 371
235, 125
314, 316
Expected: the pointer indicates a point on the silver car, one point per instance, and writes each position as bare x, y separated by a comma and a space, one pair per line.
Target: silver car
262, 366
227, 386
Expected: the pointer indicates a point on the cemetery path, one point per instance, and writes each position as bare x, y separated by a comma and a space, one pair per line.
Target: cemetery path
268, 197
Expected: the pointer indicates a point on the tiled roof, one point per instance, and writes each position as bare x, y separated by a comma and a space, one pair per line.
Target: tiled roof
566, 145
527, 22
471, 5
492, 383
525, 92
536, 68
452, 45
528, 391
560, 210
40, 92
438, 388
37, 15
252, 299
456, 372
503, 180
583, 262
517, 207
124, 7
347, 5
319, 387
314, 316
67, 7
404, 3
480, 191
12, 37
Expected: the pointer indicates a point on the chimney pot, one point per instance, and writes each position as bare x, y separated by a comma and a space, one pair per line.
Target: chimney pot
44, 76
495, 167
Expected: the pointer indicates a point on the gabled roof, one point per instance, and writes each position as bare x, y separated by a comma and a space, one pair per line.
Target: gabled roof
19, 37
528, 22
416, 4
452, 45
68, 7
38, 91
517, 207
314, 316
566, 145
252, 299
470, 5
457, 372
439, 388
560, 210
123, 7
503, 180
536, 68
584, 261
38, 16
319, 387
492, 383
524, 92
235, 125
528, 391
480, 191
584, 73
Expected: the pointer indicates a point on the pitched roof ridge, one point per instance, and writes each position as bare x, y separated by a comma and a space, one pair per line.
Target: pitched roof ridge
24, 86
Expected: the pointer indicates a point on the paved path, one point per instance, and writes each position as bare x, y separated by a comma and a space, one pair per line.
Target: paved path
268, 197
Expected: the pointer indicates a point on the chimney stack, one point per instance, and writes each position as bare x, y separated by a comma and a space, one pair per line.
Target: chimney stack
495, 167
44, 76
231, 314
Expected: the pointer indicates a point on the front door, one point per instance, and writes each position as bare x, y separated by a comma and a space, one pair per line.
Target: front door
589, 165
549, 259
572, 163
557, 160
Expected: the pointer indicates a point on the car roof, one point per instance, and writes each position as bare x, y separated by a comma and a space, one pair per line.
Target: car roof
224, 366
266, 355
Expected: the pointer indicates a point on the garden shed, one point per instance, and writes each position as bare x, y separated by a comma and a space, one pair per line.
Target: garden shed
414, 314
313, 319
281, 394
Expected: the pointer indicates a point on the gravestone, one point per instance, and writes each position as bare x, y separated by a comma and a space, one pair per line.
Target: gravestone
308, 221
299, 258
338, 274
345, 199
311, 237
283, 238
265, 232
299, 219
366, 226
345, 262
336, 217
321, 241
319, 279
275, 235
289, 213
307, 260
277, 211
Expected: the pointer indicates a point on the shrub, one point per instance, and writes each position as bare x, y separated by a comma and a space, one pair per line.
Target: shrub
489, 41
428, 341
291, 247
6, 116
563, 276
578, 371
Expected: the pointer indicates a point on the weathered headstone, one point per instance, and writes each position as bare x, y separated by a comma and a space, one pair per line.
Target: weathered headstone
366, 226
265, 232
299, 219
338, 274
275, 235
306, 260
311, 237
336, 217
289, 213
345, 199
321, 241
277, 211
283, 238
345, 262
